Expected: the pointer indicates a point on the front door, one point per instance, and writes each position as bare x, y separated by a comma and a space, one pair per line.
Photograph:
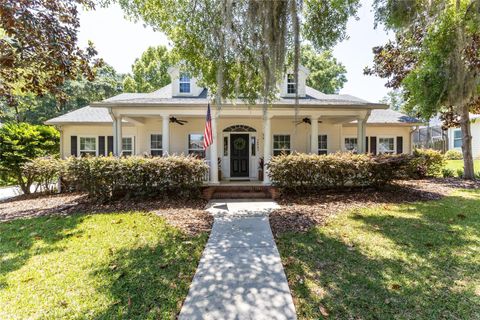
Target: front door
239, 156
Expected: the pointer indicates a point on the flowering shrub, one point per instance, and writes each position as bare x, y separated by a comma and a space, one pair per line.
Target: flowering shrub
307, 172
44, 172
453, 155
107, 178
426, 163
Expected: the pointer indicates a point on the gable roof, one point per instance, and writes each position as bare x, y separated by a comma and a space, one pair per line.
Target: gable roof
163, 96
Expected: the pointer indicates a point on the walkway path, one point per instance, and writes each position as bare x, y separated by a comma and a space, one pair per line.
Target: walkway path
240, 275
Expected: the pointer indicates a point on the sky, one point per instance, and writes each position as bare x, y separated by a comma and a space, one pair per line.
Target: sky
119, 42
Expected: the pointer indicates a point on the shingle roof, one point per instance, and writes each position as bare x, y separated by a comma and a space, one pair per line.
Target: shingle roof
390, 116
164, 96
83, 115
101, 115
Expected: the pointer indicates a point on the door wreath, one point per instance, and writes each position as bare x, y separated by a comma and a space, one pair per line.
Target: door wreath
239, 144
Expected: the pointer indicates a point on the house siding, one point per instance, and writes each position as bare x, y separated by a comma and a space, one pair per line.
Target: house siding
475, 127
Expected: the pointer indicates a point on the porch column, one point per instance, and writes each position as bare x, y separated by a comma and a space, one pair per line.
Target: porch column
267, 146
314, 135
165, 134
118, 136
213, 151
360, 138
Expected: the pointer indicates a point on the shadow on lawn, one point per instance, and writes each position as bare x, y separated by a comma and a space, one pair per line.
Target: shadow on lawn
19, 236
424, 274
151, 282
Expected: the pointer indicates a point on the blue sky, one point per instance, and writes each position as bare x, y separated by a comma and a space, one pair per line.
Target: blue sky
120, 41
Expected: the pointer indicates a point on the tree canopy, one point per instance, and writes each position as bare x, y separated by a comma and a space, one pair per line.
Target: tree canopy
326, 73
38, 47
149, 71
79, 93
434, 58
239, 48
394, 99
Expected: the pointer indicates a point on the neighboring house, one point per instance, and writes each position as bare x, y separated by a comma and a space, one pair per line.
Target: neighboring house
455, 134
171, 120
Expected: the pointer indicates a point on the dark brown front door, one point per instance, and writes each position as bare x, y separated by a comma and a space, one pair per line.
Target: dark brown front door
239, 156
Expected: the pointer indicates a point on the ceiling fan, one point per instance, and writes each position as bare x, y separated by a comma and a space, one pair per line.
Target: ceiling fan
175, 120
304, 120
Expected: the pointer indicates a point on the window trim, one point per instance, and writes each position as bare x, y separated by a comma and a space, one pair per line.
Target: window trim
318, 146
79, 151
345, 145
180, 82
200, 149
394, 151
150, 143
292, 83
133, 145
273, 143
455, 139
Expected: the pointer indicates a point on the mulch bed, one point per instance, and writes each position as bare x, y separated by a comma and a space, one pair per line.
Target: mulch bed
300, 213
189, 215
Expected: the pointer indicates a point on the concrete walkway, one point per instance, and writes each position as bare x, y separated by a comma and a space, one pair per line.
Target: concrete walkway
240, 275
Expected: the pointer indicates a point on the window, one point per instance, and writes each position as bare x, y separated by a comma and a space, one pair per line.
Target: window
127, 146
253, 143
386, 145
351, 144
156, 145
457, 138
281, 144
195, 145
322, 144
291, 85
225, 146
184, 82
88, 145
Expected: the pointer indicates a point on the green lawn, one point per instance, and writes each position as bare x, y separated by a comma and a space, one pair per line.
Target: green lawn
458, 164
103, 266
414, 261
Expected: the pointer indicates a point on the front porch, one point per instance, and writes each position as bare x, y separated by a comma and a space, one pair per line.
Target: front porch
244, 137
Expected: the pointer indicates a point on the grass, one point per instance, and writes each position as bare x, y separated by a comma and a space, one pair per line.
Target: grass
458, 165
413, 261
102, 266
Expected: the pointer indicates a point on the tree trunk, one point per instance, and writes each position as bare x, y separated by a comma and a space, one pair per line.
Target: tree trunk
468, 171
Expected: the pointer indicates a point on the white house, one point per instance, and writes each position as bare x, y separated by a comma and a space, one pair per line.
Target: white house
171, 120
455, 137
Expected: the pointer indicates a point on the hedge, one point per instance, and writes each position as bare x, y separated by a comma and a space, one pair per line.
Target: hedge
307, 172
107, 178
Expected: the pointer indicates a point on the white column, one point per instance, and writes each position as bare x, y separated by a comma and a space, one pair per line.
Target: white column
360, 137
166, 134
213, 151
115, 137
118, 136
267, 146
314, 135
364, 135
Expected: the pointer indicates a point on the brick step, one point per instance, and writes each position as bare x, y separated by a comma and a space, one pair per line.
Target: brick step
241, 188
240, 195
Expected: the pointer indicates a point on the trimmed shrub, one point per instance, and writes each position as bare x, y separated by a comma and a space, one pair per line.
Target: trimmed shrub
44, 172
447, 173
459, 173
108, 177
307, 172
426, 163
453, 155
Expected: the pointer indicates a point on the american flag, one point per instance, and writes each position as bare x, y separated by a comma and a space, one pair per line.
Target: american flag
207, 135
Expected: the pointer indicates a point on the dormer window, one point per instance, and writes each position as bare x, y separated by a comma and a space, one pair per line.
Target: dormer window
184, 83
291, 85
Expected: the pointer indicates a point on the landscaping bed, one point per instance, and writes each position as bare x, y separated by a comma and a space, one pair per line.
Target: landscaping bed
188, 215
302, 212
378, 259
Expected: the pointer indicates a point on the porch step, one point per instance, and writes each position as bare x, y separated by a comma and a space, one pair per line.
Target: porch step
237, 192
240, 195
